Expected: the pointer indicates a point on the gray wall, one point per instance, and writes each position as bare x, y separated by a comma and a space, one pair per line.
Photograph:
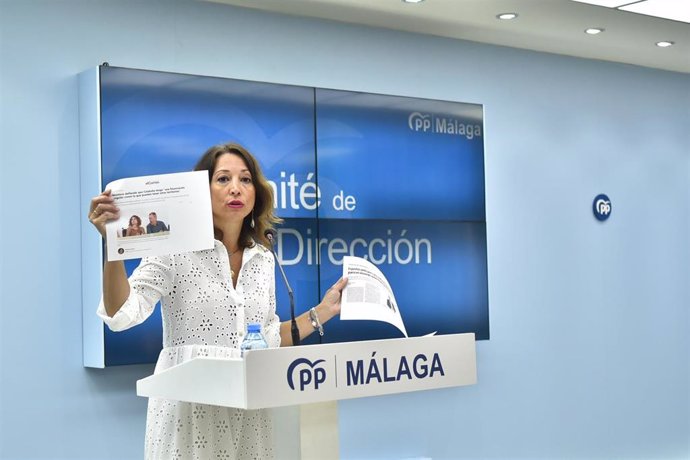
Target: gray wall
589, 355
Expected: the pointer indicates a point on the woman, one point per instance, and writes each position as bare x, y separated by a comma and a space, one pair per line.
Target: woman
135, 228
207, 298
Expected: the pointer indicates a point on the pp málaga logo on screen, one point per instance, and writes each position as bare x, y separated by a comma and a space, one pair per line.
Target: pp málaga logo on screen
308, 373
601, 207
440, 124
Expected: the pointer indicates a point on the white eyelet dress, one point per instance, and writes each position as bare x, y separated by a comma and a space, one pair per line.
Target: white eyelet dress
203, 315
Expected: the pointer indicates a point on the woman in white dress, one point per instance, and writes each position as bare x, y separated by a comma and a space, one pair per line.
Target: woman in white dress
207, 299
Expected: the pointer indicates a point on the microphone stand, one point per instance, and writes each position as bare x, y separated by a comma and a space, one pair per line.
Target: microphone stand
294, 330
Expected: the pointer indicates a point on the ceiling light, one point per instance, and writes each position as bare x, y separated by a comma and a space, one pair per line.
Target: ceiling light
668, 9
675, 10
664, 44
412, 1
594, 30
507, 16
607, 3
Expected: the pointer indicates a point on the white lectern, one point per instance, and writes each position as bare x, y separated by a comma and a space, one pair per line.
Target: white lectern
308, 374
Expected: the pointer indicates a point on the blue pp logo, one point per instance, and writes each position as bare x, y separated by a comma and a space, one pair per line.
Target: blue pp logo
307, 373
601, 207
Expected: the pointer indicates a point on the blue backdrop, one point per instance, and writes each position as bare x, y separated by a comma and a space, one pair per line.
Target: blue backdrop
399, 181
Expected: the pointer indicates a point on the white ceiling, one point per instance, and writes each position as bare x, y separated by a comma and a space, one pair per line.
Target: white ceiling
554, 26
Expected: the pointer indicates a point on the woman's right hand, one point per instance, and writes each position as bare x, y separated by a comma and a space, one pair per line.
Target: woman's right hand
102, 210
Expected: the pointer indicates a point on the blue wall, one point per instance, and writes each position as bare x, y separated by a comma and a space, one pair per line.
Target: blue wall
589, 351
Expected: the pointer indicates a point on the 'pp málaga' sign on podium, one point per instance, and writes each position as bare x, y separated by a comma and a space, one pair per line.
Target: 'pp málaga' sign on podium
300, 375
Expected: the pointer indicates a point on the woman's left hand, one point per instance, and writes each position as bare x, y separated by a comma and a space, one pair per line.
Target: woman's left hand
333, 295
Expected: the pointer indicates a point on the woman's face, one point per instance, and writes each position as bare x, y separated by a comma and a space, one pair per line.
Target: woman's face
232, 190
133, 221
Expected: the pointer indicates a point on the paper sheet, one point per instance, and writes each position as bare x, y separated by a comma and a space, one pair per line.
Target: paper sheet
368, 294
183, 218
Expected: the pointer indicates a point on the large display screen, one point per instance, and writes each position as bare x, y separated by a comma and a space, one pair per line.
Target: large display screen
396, 180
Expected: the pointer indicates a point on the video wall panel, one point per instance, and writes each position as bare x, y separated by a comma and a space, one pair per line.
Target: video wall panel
396, 180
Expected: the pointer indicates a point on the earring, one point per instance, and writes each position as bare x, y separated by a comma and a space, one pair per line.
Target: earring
251, 224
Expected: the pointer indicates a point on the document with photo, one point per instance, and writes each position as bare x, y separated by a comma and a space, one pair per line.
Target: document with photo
368, 295
161, 214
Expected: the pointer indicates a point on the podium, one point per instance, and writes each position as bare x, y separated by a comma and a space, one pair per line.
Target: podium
316, 373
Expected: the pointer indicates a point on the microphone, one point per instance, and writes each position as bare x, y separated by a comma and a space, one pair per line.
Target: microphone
270, 235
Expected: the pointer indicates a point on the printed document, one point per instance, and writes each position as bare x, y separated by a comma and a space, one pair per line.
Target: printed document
162, 214
367, 294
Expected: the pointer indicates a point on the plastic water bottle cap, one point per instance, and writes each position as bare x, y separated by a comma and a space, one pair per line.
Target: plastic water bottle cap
253, 327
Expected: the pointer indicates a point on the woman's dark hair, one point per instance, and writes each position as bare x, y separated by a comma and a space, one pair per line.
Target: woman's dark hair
264, 217
135, 217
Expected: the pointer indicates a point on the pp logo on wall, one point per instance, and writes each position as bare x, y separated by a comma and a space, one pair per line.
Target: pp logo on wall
601, 207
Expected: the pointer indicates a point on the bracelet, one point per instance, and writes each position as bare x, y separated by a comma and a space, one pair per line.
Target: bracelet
315, 323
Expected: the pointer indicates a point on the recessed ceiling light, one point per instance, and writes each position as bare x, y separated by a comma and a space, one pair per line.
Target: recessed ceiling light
594, 30
412, 1
664, 44
507, 16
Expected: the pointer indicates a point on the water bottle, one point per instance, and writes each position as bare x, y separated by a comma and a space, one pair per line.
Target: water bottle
254, 340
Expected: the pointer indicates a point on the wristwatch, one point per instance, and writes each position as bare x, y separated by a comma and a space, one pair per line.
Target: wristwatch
315, 323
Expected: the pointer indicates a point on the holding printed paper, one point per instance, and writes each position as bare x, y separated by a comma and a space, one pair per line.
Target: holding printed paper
162, 214
368, 294
207, 295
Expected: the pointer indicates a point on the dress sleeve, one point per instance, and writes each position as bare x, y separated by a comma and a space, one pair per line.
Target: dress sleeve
150, 281
272, 326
